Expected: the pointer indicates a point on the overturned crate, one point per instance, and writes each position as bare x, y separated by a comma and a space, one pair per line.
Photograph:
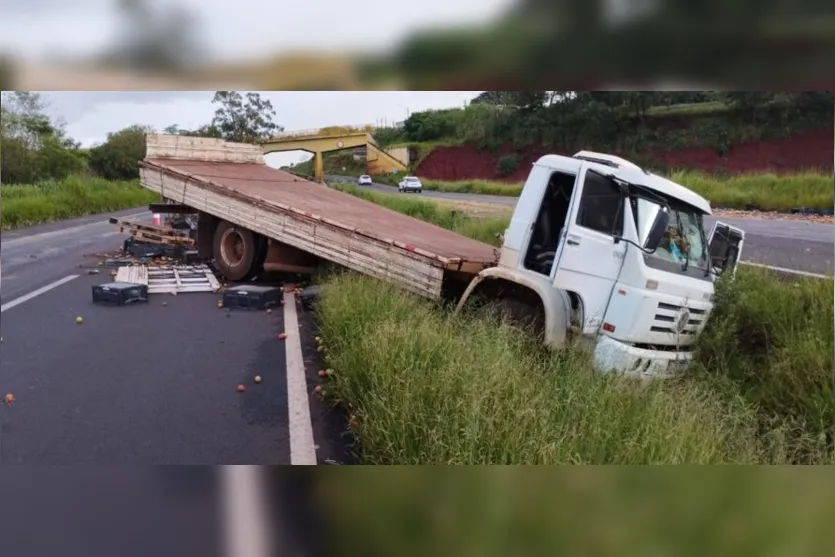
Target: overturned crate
170, 279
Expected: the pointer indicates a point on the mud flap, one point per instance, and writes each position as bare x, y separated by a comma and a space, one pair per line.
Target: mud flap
725, 248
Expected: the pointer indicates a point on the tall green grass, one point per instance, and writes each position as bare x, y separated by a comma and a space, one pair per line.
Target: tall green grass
76, 196
485, 230
764, 192
428, 387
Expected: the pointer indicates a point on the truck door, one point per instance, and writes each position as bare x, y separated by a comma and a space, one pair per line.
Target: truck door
725, 248
588, 261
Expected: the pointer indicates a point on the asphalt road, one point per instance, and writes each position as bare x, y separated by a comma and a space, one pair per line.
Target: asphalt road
143, 384
787, 244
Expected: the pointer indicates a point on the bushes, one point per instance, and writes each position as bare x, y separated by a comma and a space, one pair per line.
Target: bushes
118, 158
773, 342
22, 164
26, 205
507, 164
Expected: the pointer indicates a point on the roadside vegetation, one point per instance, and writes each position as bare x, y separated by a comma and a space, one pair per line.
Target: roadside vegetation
629, 122
75, 196
47, 176
762, 192
444, 389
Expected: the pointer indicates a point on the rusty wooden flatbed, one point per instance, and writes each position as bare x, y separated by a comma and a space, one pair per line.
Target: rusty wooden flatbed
232, 182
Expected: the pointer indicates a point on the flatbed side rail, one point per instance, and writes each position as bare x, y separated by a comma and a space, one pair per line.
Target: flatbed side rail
413, 268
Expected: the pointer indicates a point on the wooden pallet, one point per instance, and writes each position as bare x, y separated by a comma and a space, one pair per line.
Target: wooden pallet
170, 279
154, 234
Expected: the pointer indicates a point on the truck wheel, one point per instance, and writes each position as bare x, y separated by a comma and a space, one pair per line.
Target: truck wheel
520, 314
239, 254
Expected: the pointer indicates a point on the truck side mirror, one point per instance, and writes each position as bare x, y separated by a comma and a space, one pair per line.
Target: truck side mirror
659, 227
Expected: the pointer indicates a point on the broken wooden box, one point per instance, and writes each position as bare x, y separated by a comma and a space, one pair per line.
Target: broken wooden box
252, 297
119, 293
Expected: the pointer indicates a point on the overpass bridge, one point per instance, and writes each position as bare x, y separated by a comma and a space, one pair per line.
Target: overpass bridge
324, 140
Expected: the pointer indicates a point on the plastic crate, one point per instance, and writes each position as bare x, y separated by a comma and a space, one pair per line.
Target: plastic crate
119, 293
252, 297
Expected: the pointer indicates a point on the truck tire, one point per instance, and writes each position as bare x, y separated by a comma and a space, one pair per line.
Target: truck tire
520, 314
239, 254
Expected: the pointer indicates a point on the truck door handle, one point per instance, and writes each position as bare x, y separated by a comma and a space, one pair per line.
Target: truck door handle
573, 240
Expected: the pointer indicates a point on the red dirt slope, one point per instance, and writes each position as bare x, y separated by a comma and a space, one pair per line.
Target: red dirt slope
807, 150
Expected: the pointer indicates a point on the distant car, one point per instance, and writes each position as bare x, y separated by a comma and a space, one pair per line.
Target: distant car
364, 180
410, 183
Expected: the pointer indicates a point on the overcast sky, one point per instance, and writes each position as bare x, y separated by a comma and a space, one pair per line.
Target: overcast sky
90, 116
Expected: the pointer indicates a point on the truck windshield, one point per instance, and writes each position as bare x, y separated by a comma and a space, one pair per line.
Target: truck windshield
683, 248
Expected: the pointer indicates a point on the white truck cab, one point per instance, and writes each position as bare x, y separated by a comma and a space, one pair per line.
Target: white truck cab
601, 251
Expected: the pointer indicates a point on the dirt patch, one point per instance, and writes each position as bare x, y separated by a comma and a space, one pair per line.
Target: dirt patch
476, 209
764, 215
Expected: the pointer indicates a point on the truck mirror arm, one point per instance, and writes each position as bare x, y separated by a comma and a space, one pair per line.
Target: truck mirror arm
619, 239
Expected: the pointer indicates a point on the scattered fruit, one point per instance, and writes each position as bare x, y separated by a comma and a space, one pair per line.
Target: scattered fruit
319, 389
323, 373
257, 378
241, 388
9, 398
323, 392
269, 310
282, 336
329, 372
79, 319
354, 422
220, 303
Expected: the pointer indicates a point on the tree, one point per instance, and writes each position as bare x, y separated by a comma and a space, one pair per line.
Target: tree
243, 119
35, 147
118, 157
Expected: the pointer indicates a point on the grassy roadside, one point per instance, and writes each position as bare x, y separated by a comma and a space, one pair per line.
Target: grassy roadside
764, 192
443, 389
27, 205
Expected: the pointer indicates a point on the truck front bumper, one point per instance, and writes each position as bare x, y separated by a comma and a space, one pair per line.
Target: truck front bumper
613, 356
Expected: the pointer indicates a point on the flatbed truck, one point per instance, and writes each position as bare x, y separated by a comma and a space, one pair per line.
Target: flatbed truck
598, 250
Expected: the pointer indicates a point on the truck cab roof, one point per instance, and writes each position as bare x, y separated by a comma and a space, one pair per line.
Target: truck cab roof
634, 174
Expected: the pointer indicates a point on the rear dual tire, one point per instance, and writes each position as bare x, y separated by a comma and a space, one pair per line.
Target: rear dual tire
239, 253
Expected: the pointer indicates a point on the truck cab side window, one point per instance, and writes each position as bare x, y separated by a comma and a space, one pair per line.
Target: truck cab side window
601, 205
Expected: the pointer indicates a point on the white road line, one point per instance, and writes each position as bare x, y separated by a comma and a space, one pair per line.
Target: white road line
784, 270
302, 449
23, 240
35, 293
246, 529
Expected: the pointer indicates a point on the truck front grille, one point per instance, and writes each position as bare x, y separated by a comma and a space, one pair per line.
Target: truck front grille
667, 316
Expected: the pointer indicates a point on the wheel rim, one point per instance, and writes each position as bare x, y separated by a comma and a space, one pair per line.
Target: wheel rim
232, 247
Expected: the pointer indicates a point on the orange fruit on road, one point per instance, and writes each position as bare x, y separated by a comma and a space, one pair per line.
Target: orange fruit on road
9, 398
241, 388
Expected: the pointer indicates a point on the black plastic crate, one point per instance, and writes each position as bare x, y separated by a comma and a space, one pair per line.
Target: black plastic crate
252, 297
119, 293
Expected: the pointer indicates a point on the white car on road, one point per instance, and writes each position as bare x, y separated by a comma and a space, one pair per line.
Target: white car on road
410, 183
364, 180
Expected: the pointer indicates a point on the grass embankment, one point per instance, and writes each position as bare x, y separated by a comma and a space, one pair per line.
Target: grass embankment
30, 204
431, 388
764, 192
